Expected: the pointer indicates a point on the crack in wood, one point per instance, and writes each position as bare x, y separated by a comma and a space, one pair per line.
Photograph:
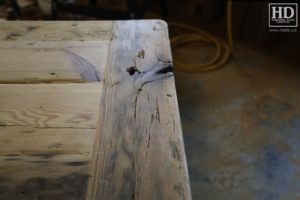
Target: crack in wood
149, 77
149, 138
175, 151
133, 181
135, 104
165, 70
152, 118
157, 111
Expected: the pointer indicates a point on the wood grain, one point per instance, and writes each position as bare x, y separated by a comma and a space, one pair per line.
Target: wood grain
44, 152
51, 76
55, 141
50, 105
42, 31
49, 62
139, 152
117, 138
47, 131
49, 52
42, 163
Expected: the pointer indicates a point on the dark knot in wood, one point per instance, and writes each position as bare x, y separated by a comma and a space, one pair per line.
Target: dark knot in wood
131, 70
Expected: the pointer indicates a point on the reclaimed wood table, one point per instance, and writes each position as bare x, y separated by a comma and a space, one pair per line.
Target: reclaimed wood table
88, 110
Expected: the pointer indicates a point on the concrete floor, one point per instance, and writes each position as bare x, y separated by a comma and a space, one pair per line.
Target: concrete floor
241, 127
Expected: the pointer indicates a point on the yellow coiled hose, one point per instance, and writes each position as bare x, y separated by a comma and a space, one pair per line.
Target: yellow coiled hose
222, 52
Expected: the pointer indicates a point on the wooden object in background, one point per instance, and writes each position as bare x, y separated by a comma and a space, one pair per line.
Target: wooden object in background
88, 110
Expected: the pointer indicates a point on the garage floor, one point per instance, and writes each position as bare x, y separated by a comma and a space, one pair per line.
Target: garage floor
241, 127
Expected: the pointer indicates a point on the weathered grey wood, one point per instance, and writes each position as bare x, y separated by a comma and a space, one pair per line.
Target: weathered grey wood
139, 151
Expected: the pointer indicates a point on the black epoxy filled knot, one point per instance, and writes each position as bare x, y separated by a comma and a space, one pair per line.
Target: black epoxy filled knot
131, 70
165, 70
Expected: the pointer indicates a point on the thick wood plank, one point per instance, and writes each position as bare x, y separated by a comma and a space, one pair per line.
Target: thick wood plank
21, 63
34, 160
47, 52
50, 105
18, 77
139, 152
74, 61
53, 31
27, 141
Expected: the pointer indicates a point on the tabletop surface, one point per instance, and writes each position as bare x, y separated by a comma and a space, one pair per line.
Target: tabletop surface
88, 110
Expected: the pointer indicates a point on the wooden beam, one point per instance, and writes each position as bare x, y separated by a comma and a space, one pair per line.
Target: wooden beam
139, 151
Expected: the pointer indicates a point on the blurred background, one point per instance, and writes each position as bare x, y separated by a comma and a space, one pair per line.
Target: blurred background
240, 116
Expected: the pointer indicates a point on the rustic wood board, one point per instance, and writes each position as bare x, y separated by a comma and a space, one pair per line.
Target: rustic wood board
40, 151
47, 134
117, 138
46, 52
39, 31
50, 105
